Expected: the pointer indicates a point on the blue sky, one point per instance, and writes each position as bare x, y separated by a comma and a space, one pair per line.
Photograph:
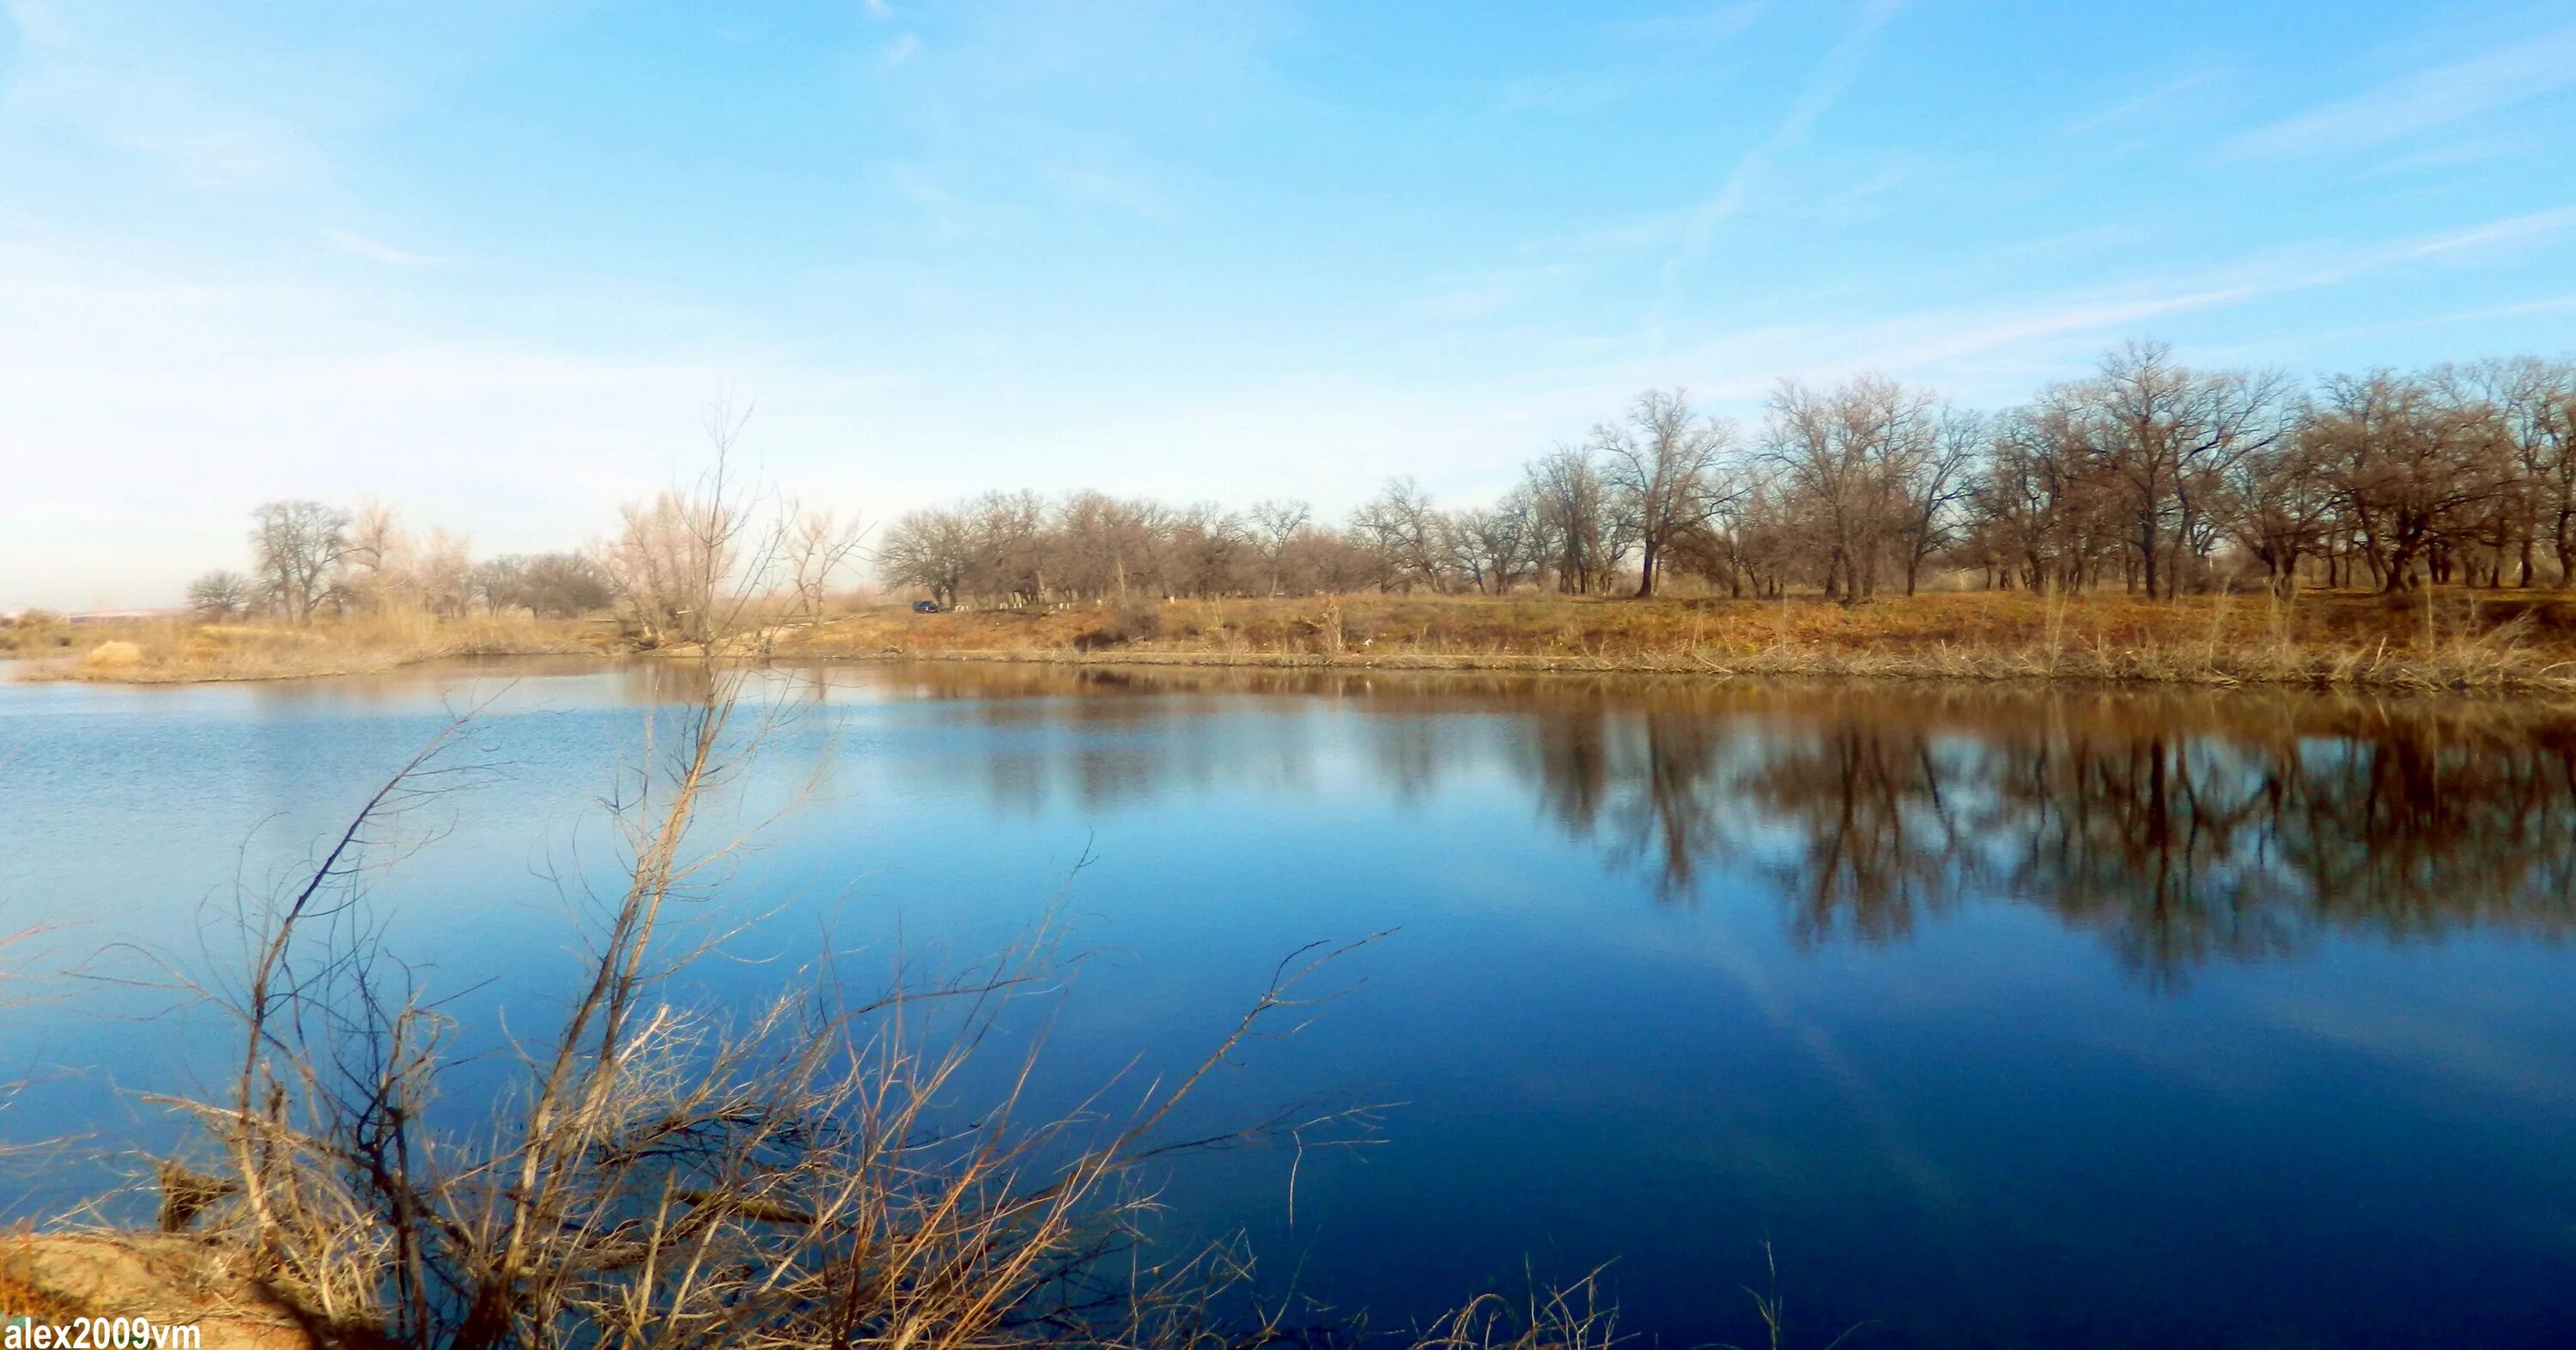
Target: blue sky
489, 261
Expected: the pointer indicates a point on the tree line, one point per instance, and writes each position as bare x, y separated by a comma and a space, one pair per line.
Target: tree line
2147, 475
309, 558
683, 566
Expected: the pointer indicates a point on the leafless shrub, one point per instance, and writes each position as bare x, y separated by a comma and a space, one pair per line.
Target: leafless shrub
662, 1174
688, 563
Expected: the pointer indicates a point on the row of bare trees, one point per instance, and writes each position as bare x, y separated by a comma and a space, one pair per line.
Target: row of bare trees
2169, 479
2148, 475
310, 558
1017, 548
663, 567
1642, 487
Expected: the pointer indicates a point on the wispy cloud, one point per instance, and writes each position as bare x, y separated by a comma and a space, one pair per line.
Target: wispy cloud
377, 251
1132, 193
944, 211
1697, 23
38, 23
2282, 274
1841, 66
2155, 105
1996, 349
2423, 100
204, 140
1476, 295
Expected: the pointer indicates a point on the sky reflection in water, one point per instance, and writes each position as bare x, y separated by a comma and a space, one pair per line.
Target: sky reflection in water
2011, 1017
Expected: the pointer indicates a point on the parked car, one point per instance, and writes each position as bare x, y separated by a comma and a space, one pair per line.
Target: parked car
925, 606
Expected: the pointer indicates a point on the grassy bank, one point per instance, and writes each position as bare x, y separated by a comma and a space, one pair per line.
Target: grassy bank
191, 653
2452, 641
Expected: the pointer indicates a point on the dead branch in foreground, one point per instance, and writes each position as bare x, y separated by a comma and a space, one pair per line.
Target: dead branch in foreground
662, 1175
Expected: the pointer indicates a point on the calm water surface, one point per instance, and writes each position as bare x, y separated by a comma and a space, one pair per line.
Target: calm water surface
2006, 1018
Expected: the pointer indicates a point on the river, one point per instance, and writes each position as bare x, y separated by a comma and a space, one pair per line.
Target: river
2006, 1017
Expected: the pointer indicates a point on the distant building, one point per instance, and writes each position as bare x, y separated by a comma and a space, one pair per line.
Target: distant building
124, 615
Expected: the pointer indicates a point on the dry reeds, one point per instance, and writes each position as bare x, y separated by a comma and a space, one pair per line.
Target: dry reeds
187, 653
2527, 644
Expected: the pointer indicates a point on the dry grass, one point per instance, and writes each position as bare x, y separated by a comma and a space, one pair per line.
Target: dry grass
23, 1295
190, 653
2454, 641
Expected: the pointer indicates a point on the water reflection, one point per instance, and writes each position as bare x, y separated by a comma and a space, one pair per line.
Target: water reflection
1959, 1121
2179, 828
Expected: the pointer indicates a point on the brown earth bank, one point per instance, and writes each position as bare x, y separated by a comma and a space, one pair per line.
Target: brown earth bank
2509, 641
2450, 641
165, 1280
179, 652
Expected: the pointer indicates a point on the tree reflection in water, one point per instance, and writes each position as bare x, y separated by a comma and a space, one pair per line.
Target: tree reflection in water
2181, 830
2182, 827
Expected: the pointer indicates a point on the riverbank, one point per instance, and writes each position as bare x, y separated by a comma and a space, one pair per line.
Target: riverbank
174, 652
2466, 641
2497, 642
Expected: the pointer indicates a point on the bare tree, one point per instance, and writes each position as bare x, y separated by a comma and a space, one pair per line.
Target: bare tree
1931, 484
219, 595
1207, 550
378, 558
2038, 506
817, 549
562, 585
1008, 561
682, 561
1276, 521
1584, 527
1666, 463
2280, 503
1407, 532
2169, 437
932, 549
2413, 470
297, 546
438, 576
2533, 410
1864, 468
1499, 546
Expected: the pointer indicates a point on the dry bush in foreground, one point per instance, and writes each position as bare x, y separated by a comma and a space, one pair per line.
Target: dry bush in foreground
661, 1174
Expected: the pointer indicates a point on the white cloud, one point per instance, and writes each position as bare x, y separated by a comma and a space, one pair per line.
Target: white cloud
39, 24
1834, 75
204, 141
2423, 100
1703, 23
2154, 107
357, 245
